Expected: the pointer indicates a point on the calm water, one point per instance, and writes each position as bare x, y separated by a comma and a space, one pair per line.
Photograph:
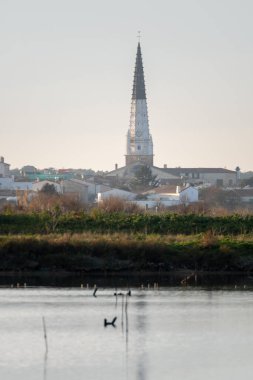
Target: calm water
172, 334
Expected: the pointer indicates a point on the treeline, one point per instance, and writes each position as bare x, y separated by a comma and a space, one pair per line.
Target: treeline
104, 222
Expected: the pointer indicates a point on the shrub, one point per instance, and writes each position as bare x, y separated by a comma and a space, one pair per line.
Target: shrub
117, 204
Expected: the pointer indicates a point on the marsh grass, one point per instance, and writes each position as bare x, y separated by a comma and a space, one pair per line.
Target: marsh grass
129, 241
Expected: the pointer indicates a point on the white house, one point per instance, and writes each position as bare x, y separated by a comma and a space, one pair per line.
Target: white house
94, 188
116, 193
188, 194
169, 196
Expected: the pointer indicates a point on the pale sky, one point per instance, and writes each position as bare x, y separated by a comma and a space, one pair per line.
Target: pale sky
66, 73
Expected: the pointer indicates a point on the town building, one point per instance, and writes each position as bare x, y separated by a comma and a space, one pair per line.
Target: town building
219, 177
76, 189
4, 168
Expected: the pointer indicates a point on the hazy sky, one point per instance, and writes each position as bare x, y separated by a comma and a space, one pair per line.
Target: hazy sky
66, 73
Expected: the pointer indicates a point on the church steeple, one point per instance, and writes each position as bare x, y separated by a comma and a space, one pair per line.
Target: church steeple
139, 83
139, 140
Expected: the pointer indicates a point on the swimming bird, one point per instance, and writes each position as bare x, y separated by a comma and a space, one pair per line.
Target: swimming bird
112, 323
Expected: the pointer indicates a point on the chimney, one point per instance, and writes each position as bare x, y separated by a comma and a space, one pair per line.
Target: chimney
116, 166
165, 166
2, 159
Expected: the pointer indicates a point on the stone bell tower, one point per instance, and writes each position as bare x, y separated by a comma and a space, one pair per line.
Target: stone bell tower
139, 140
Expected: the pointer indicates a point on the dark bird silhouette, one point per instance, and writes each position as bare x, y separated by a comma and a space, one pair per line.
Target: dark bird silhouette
122, 294
112, 323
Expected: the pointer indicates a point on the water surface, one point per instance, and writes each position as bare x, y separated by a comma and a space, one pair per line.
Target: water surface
171, 333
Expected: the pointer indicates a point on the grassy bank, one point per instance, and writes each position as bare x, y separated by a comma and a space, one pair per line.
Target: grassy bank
104, 222
91, 252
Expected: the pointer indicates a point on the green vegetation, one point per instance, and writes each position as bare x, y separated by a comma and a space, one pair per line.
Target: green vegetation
90, 252
106, 222
124, 241
143, 179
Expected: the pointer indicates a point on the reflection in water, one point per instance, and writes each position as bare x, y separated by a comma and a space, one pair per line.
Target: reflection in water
126, 333
124, 315
46, 346
45, 367
122, 312
142, 329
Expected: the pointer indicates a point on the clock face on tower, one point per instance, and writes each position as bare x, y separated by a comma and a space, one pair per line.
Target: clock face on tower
138, 132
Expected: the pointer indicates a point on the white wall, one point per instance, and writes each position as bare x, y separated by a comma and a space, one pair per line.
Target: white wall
10, 184
117, 193
6, 183
189, 195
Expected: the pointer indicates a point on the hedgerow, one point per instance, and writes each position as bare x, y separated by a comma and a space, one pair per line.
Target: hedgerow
104, 222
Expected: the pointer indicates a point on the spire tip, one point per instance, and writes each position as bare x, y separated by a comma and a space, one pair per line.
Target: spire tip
139, 36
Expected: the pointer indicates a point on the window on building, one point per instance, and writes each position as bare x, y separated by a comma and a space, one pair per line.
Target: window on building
139, 147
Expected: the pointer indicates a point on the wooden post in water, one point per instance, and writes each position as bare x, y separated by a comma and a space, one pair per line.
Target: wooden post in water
45, 333
122, 308
95, 290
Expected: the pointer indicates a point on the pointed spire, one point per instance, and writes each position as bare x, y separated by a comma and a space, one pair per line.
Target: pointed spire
139, 84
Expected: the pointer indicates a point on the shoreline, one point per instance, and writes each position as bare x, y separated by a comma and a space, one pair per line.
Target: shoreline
140, 280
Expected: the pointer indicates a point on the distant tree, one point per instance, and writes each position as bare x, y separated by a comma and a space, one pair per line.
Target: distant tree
116, 204
213, 196
46, 202
247, 182
144, 178
48, 189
